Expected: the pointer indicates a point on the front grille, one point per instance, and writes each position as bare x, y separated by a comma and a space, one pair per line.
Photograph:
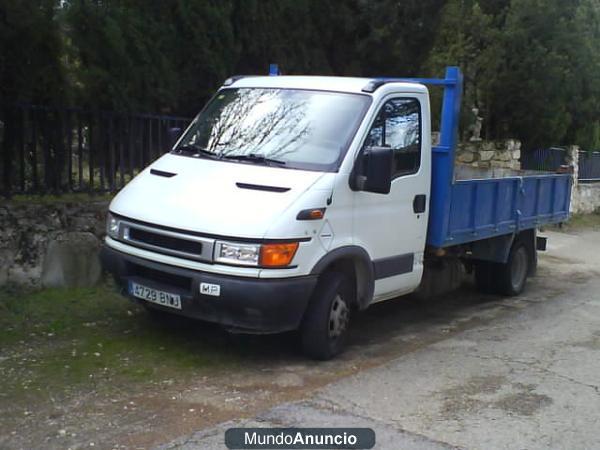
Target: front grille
181, 244
163, 241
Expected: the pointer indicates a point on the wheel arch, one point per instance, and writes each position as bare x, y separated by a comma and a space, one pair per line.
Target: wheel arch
355, 262
498, 248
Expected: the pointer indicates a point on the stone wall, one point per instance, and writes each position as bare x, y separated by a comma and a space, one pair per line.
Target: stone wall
499, 156
51, 244
490, 155
585, 197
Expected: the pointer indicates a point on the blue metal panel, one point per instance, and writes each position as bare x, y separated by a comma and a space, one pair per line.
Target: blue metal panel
481, 209
470, 210
442, 169
442, 166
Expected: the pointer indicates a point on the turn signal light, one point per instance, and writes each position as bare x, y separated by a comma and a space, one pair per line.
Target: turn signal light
277, 255
311, 214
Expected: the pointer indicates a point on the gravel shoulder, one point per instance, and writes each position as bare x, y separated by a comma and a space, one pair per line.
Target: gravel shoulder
446, 364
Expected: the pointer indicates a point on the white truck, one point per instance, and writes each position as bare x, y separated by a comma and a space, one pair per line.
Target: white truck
290, 202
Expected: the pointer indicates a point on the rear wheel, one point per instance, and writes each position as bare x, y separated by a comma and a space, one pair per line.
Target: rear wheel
512, 276
325, 324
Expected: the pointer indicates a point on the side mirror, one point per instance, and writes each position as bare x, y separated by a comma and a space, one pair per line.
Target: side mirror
173, 134
376, 170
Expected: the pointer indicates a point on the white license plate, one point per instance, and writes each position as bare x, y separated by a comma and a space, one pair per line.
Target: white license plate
155, 296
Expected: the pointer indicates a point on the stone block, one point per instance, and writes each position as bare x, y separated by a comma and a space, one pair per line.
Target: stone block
515, 164
72, 260
6, 260
486, 155
488, 146
495, 163
466, 156
24, 274
512, 145
503, 155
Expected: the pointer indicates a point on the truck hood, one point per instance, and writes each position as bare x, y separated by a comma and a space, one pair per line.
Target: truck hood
214, 197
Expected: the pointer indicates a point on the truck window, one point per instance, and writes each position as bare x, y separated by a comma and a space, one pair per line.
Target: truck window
398, 125
301, 129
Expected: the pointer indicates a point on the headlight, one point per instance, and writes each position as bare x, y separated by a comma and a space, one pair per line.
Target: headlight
233, 253
266, 255
112, 226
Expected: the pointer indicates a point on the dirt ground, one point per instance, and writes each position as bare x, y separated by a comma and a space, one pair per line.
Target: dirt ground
109, 377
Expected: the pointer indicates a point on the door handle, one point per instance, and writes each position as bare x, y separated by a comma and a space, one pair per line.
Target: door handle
420, 203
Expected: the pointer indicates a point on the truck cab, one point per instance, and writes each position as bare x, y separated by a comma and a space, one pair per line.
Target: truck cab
289, 203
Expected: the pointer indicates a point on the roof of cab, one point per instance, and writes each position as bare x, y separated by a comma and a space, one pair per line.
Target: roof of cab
319, 83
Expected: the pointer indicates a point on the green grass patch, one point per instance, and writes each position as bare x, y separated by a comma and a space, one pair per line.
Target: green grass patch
583, 221
56, 340
53, 199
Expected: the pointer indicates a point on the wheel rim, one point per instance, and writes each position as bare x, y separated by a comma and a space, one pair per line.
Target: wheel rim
338, 317
518, 270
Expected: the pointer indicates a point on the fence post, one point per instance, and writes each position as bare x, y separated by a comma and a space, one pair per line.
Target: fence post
573, 161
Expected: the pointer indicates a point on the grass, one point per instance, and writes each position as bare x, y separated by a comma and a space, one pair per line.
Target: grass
583, 221
53, 199
55, 340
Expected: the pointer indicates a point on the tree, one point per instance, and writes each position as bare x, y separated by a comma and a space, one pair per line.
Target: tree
31, 51
31, 71
584, 104
531, 66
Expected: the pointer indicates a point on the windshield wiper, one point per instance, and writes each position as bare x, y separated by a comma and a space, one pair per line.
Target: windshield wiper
258, 159
195, 150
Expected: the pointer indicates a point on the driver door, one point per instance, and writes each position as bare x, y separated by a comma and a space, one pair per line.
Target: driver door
392, 227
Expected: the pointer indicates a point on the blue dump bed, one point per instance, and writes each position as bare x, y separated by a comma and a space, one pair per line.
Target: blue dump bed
467, 210
485, 208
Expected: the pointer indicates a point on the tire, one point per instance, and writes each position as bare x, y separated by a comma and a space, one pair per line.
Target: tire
484, 277
512, 276
324, 328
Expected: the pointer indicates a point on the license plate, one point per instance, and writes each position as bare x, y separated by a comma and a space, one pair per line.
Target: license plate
155, 296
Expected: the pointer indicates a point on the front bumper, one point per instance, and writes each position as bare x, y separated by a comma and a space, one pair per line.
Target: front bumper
245, 304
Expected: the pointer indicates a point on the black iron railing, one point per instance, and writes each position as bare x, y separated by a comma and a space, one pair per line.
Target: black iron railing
544, 159
551, 160
589, 166
57, 150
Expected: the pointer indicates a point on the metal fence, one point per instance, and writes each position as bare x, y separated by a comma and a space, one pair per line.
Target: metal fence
589, 166
57, 150
544, 159
550, 159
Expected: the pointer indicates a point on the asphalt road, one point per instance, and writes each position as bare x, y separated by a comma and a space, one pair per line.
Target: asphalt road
499, 373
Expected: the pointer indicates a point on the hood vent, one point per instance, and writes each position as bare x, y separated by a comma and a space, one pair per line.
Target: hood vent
160, 173
260, 187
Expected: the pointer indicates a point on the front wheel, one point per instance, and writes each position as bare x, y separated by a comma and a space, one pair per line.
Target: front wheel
325, 325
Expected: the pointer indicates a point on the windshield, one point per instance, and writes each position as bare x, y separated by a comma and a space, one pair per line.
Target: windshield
288, 127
